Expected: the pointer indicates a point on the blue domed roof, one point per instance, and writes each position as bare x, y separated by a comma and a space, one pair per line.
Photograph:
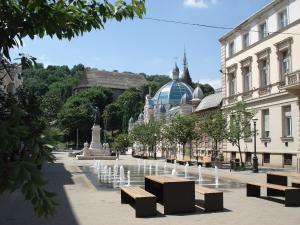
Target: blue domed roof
172, 92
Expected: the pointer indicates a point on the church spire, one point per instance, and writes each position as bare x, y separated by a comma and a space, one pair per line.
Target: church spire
185, 63
186, 77
175, 72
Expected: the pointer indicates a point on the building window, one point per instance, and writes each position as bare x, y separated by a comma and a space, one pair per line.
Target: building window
233, 155
285, 63
265, 123
263, 31
287, 159
287, 121
282, 19
231, 48
247, 78
246, 40
284, 57
264, 72
232, 84
266, 158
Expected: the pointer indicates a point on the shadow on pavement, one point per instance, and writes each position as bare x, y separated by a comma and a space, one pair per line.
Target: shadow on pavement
15, 210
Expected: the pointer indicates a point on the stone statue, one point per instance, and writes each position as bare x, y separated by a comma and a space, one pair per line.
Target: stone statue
86, 150
96, 114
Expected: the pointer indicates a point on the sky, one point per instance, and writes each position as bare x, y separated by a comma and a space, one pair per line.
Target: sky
151, 47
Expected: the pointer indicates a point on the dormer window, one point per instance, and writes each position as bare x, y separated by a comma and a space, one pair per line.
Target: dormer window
231, 48
246, 40
263, 32
282, 19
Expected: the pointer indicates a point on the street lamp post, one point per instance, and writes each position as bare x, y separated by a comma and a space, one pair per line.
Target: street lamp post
155, 146
255, 160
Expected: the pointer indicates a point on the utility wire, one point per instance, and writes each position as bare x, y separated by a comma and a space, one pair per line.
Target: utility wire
212, 26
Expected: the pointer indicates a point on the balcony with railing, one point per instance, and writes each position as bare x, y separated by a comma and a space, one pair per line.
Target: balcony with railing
292, 82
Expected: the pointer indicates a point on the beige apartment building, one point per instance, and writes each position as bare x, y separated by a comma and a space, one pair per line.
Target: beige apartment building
260, 61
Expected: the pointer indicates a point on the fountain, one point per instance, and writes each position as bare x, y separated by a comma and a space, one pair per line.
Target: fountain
144, 166
165, 168
128, 178
156, 169
185, 170
173, 172
122, 175
99, 174
150, 168
109, 175
216, 176
115, 175
104, 173
200, 173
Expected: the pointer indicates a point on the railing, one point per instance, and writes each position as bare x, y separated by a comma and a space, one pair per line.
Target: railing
292, 78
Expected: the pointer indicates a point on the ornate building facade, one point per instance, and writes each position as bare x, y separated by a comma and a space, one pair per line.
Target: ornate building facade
260, 65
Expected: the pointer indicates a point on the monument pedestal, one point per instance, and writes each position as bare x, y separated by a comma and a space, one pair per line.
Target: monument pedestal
96, 150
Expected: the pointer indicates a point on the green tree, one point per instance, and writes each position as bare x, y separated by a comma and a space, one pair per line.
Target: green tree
51, 105
77, 112
35, 19
25, 145
239, 127
182, 127
112, 116
148, 134
131, 104
121, 142
207, 89
214, 126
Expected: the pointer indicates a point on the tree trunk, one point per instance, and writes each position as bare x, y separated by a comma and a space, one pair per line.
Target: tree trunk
241, 157
183, 150
190, 150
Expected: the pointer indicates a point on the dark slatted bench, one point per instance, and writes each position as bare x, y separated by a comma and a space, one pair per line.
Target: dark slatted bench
213, 199
171, 159
204, 161
296, 184
291, 194
143, 201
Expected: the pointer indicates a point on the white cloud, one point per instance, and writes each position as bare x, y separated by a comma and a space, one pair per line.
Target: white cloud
215, 83
199, 3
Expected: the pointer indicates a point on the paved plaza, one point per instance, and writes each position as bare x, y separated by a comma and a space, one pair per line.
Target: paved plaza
81, 203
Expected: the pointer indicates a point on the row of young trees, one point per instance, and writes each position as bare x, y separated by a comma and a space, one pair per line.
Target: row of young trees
232, 125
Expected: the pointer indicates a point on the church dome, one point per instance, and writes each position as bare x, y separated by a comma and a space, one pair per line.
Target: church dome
172, 92
184, 99
198, 93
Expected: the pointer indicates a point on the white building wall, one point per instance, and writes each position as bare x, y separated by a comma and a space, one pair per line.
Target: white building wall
278, 96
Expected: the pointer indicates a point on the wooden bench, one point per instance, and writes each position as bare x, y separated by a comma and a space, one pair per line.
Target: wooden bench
296, 184
142, 201
213, 199
291, 194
